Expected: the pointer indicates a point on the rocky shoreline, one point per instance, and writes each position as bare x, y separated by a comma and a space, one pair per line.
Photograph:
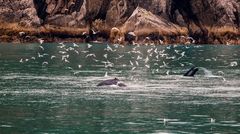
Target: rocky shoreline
121, 21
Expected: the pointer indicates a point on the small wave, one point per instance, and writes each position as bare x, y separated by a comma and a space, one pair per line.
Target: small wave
200, 116
133, 123
5, 126
209, 74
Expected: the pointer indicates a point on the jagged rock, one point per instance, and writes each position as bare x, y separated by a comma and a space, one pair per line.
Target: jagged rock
119, 11
209, 13
143, 23
22, 11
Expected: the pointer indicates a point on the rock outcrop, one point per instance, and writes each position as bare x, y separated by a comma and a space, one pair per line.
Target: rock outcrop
207, 21
19, 11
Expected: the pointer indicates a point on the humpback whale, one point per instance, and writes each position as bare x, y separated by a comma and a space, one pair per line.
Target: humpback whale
191, 72
111, 82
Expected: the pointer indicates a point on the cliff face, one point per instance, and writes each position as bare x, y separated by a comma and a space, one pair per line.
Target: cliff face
200, 19
20, 11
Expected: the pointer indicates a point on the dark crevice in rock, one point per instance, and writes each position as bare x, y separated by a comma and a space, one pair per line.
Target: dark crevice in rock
185, 9
78, 5
103, 10
41, 6
237, 17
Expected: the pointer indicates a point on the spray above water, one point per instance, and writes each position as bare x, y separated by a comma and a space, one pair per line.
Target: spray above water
209, 74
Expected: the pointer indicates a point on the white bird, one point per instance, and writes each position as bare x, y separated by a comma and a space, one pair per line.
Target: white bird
120, 39
183, 54
119, 57
177, 51
133, 68
45, 54
61, 43
146, 60
214, 59
21, 61
84, 52
90, 55
33, 58
94, 32
52, 57
220, 72
62, 52
135, 43
228, 44
45, 63
66, 61
70, 48
41, 41
192, 40
26, 60
132, 33
76, 52
84, 33
173, 57
106, 74
165, 121
137, 63
41, 47
167, 73
108, 64
95, 60
75, 45
69, 68
62, 46
131, 63
65, 57
22, 34
161, 42
39, 55
164, 63
105, 56
151, 54
155, 51
149, 50
89, 46
124, 65
139, 57
79, 66
212, 120
108, 48
77, 72
147, 66
233, 64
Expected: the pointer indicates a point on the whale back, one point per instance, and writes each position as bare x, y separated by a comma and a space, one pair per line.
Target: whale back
191, 72
109, 82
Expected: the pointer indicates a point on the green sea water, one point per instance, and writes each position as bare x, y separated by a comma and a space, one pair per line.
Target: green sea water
51, 89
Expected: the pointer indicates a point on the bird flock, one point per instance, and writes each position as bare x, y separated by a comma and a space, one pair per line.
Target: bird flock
110, 56
148, 57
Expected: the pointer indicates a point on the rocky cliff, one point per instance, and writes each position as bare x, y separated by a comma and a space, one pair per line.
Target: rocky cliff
121, 21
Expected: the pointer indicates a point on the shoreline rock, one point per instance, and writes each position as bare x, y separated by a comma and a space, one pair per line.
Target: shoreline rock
12, 33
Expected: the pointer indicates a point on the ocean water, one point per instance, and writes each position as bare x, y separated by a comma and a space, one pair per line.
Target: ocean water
51, 88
